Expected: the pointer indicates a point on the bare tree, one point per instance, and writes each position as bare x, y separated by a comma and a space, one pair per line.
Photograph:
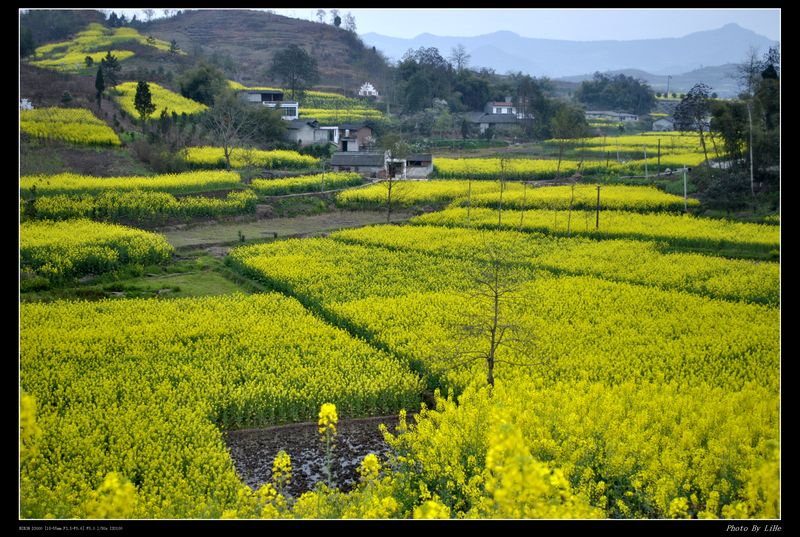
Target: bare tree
395, 152
459, 57
321, 16
350, 22
230, 124
149, 13
490, 329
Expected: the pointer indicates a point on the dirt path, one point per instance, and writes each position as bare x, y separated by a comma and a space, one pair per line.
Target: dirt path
253, 451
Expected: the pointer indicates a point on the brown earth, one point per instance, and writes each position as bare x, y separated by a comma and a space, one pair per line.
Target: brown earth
254, 450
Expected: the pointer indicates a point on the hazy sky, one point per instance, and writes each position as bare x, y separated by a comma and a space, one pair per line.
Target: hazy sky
573, 24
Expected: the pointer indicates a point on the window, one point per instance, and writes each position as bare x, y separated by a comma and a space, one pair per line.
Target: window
289, 112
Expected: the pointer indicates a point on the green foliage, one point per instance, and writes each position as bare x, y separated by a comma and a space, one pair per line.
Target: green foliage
143, 100
296, 68
618, 92
202, 83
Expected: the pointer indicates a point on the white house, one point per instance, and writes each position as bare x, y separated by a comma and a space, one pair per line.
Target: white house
367, 90
290, 110
309, 132
500, 107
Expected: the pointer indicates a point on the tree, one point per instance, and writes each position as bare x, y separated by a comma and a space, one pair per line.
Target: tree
619, 92
336, 20
488, 328
111, 68
99, 86
396, 149
88, 61
321, 16
26, 43
296, 68
173, 47
269, 127
568, 123
149, 13
350, 22
459, 57
202, 83
143, 101
229, 124
693, 112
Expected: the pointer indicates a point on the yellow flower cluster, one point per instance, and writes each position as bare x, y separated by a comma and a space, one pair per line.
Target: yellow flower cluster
614, 259
163, 98
328, 419
143, 387
677, 230
640, 381
409, 193
143, 206
70, 55
305, 183
174, 183
74, 247
214, 157
73, 125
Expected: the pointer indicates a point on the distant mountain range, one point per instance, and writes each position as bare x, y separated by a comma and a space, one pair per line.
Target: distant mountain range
507, 51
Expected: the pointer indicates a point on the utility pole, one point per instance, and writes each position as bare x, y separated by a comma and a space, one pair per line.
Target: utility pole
750, 121
597, 217
658, 170
685, 205
668, 78
645, 162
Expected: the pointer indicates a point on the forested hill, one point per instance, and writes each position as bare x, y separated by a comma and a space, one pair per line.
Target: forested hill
245, 42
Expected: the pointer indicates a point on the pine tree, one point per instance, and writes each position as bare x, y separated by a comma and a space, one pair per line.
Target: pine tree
100, 86
143, 101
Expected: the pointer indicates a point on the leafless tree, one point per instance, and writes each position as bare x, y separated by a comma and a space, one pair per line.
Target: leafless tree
321, 16
459, 57
489, 330
350, 22
230, 124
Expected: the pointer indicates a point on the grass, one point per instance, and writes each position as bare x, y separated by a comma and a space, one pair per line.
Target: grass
227, 233
194, 274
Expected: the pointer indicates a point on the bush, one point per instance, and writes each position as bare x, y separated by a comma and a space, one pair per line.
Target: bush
159, 157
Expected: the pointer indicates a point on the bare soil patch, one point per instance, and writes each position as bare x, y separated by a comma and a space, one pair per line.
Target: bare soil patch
253, 451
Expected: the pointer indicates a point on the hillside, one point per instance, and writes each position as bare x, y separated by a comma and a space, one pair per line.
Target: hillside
719, 77
247, 40
507, 51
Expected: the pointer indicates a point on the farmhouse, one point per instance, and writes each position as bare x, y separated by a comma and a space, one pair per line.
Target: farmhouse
486, 121
612, 116
355, 137
273, 99
367, 164
664, 124
419, 166
500, 107
310, 132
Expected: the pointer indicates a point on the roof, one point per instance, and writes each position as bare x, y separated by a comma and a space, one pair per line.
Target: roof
610, 113
357, 158
353, 126
296, 124
480, 117
501, 103
427, 157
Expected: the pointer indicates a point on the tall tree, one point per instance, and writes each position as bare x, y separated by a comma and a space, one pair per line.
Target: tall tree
568, 123
99, 86
229, 123
693, 114
459, 58
321, 16
111, 69
296, 68
173, 47
336, 20
143, 101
